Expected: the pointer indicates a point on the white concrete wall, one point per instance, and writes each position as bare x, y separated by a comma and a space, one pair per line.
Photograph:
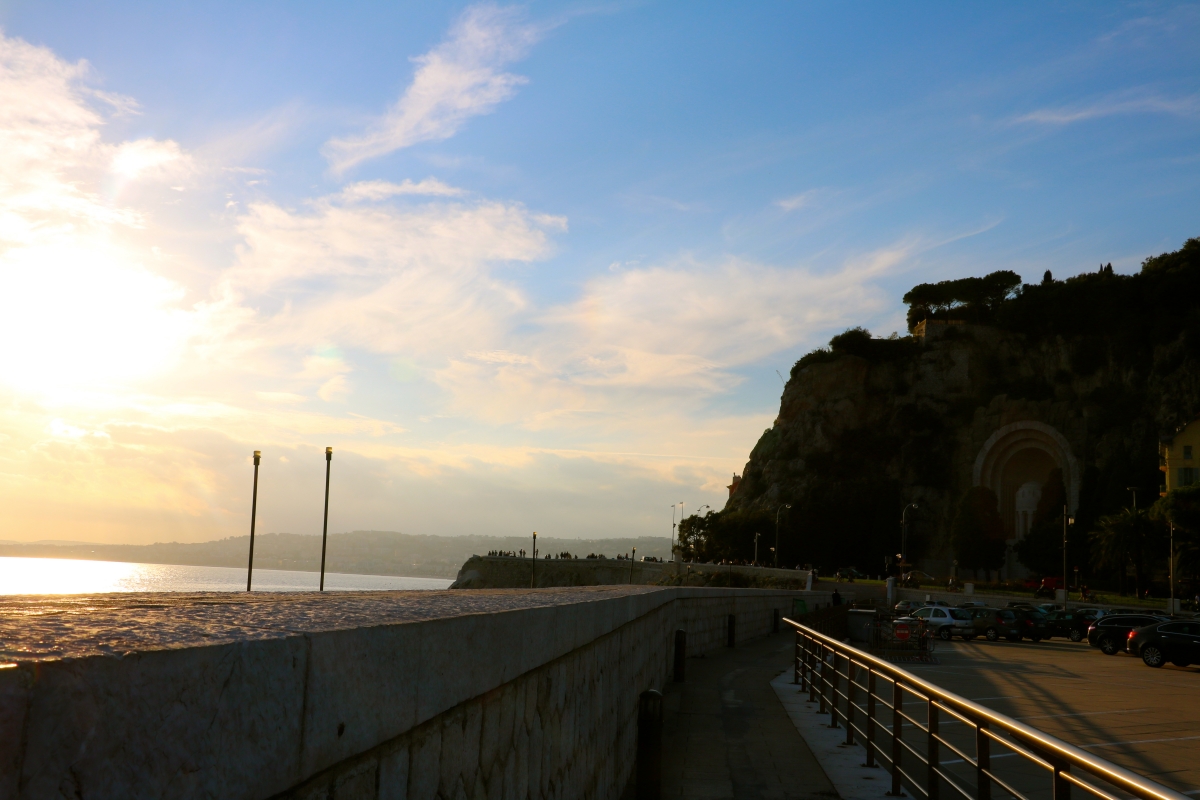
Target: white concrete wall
535, 702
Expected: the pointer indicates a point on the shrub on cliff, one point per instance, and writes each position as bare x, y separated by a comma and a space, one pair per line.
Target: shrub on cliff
977, 533
968, 299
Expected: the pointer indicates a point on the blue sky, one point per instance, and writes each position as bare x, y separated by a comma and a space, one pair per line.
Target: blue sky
525, 267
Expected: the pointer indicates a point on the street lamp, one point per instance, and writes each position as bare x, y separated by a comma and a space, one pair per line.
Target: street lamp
1066, 521
325, 526
776, 549
1134, 490
253, 513
756, 535
904, 535
680, 504
1171, 568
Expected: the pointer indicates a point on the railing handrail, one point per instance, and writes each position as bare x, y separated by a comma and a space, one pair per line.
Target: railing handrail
1119, 776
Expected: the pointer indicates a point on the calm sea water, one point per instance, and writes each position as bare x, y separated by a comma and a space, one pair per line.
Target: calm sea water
70, 576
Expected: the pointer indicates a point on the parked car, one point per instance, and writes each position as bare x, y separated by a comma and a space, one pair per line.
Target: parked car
906, 607
1111, 631
1068, 624
996, 623
1176, 641
1033, 623
1048, 607
973, 604
915, 578
850, 574
946, 623
939, 603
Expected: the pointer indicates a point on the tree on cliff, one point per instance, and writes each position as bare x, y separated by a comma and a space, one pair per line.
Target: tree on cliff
1127, 538
970, 299
1181, 507
977, 532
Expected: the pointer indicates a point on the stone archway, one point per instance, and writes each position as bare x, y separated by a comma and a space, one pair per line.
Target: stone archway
1015, 463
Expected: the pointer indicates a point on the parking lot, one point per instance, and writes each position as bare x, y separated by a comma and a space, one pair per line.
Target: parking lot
1147, 720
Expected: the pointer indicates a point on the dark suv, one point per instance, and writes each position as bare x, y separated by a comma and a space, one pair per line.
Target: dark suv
1175, 641
1069, 624
1111, 631
994, 623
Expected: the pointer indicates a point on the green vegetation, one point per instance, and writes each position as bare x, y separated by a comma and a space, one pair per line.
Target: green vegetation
977, 533
967, 299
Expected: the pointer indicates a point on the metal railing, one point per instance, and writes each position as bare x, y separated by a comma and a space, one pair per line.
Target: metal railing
952, 739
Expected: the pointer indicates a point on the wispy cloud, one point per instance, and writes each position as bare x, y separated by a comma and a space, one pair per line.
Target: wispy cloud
459, 79
1112, 106
382, 190
798, 201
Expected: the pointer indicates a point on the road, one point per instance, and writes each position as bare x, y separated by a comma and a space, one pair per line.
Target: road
1146, 720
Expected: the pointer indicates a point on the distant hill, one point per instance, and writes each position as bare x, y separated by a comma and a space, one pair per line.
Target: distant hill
358, 552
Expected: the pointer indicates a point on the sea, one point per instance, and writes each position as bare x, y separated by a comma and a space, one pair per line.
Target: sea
75, 576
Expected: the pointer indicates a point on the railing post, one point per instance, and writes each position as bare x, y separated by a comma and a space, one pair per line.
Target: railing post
849, 715
680, 654
798, 668
870, 717
833, 689
931, 751
897, 737
1062, 787
983, 762
822, 677
810, 654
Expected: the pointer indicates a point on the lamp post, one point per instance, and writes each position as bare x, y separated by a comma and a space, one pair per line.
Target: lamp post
632, 559
1134, 490
1066, 521
777, 512
756, 535
680, 504
1171, 569
325, 525
904, 536
253, 512
533, 561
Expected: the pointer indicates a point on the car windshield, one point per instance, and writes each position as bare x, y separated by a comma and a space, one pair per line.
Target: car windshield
958, 613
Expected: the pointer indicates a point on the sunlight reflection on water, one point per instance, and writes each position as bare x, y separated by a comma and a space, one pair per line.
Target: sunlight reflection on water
70, 576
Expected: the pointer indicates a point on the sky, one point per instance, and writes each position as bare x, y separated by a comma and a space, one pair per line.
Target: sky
525, 268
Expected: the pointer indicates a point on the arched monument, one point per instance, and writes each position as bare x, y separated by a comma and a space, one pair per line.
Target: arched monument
1015, 463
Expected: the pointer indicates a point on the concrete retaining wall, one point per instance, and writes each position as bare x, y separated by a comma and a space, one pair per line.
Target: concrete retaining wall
498, 572
537, 701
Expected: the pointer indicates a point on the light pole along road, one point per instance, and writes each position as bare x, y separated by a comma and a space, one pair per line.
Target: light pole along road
325, 525
781, 508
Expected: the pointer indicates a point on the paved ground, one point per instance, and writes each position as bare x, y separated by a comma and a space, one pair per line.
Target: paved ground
1147, 720
726, 735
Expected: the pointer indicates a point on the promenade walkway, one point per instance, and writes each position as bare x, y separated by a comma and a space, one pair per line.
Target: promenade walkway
726, 734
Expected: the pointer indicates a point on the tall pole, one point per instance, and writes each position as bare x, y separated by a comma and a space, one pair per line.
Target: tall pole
1171, 569
673, 530
756, 548
904, 537
1065, 590
253, 513
325, 526
533, 561
632, 559
781, 508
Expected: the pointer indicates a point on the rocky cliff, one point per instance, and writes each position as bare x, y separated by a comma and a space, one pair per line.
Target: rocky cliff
1069, 383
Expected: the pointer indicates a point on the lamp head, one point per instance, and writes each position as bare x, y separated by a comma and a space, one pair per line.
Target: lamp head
328, 453
257, 456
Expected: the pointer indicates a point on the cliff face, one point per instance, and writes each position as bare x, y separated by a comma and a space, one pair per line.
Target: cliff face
921, 420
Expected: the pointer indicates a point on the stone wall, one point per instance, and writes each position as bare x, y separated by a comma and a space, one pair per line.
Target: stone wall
501, 572
359, 695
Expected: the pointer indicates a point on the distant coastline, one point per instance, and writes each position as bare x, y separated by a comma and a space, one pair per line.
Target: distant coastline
356, 553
